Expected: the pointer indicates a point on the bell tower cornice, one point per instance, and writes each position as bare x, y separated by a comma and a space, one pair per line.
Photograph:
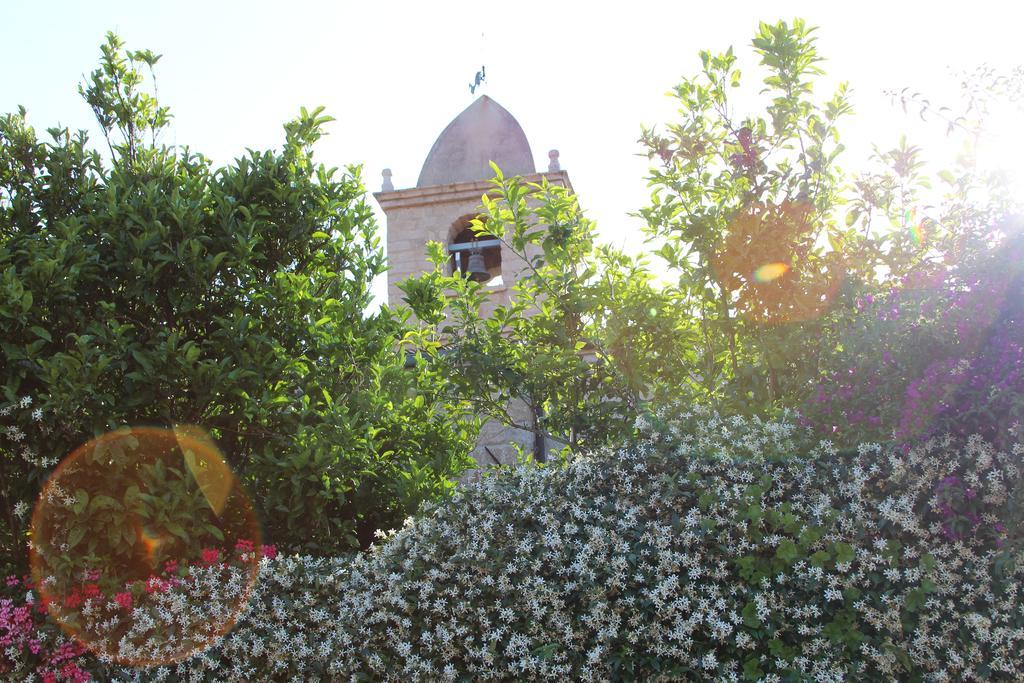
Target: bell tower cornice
455, 192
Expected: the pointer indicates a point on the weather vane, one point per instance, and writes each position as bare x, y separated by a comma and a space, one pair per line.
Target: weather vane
481, 75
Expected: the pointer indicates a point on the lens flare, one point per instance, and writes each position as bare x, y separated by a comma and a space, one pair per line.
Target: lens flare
771, 267
770, 271
133, 526
151, 544
916, 235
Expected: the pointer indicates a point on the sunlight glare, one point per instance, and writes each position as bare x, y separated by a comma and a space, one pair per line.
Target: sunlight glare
770, 271
1001, 147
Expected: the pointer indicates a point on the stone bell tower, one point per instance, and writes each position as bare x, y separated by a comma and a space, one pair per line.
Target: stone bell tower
446, 198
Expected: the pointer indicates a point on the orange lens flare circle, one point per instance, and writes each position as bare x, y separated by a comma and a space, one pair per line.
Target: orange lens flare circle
144, 546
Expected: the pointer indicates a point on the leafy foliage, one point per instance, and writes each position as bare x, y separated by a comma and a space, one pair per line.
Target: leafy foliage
154, 288
774, 246
585, 339
741, 207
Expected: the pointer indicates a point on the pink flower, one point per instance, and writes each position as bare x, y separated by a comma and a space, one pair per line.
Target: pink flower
243, 546
67, 651
71, 672
210, 555
124, 600
269, 551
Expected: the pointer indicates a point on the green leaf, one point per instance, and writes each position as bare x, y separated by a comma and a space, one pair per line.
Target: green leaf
915, 599
750, 616
81, 501
844, 552
142, 360
811, 535
177, 530
787, 551
754, 513
41, 333
752, 669
104, 502
192, 354
75, 536
820, 558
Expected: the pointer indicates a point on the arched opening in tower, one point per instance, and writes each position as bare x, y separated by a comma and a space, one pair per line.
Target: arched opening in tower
473, 255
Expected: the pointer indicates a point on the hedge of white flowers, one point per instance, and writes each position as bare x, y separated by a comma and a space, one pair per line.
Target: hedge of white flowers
706, 550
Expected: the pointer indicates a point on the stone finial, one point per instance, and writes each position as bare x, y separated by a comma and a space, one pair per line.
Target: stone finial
387, 185
553, 164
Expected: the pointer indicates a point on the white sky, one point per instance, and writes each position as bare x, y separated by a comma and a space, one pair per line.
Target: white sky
578, 76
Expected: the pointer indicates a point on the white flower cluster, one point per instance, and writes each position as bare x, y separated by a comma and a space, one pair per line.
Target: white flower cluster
13, 437
171, 624
705, 551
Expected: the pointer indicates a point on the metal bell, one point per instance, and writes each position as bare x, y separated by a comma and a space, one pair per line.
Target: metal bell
476, 270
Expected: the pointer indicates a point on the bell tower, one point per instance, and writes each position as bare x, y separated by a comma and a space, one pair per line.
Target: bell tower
447, 195
446, 198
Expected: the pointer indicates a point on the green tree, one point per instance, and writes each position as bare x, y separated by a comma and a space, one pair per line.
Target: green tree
154, 288
772, 243
586, 339
743, 211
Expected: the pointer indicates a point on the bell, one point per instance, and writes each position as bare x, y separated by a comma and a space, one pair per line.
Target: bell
476, 270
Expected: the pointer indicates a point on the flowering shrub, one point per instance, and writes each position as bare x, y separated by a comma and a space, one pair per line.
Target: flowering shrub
705, 550
32, 647
167, 617
944, 352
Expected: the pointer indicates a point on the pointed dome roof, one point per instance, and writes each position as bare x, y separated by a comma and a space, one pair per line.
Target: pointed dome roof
482, 133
